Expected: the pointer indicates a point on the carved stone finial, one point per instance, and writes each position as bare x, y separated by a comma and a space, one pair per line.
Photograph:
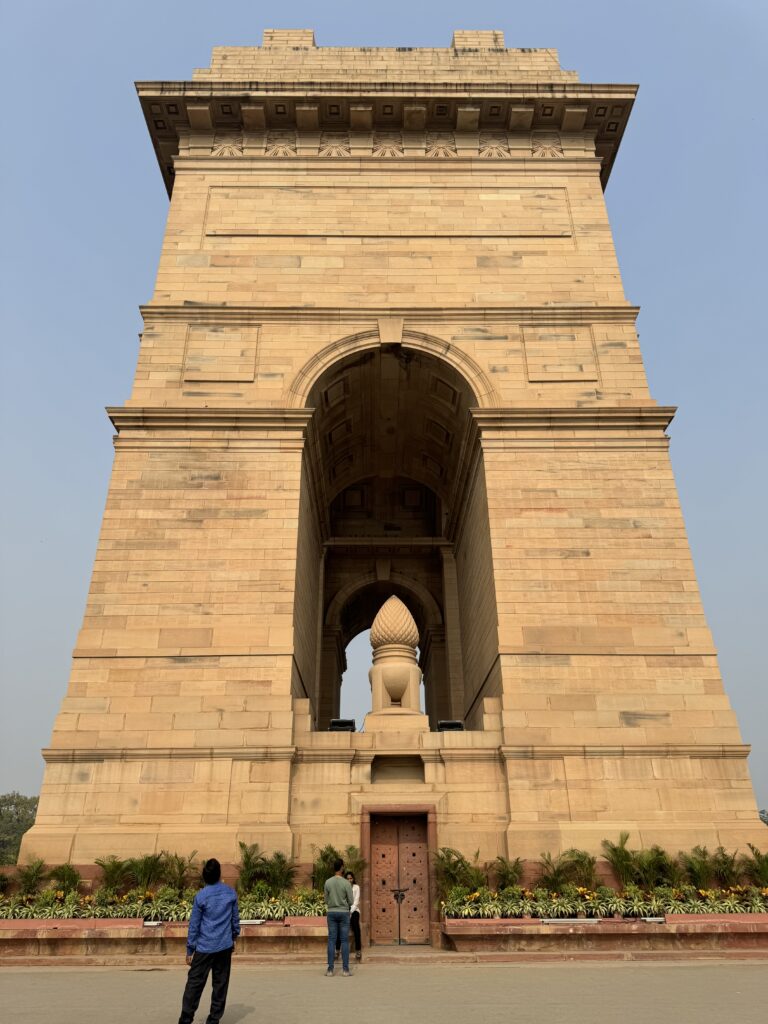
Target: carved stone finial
394, 625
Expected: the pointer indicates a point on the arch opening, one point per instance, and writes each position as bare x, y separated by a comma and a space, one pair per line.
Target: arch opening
355, 700
390, 466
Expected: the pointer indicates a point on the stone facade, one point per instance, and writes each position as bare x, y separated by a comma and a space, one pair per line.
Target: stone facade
389, 352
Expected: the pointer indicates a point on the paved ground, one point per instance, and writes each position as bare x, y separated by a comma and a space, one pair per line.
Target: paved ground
715, 992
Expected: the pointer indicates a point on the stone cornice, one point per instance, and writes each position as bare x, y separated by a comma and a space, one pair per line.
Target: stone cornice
588, 426
199, 427
172, 108
200, 312
53, 755
299, 754
325, 755
206, 418
192, 91
587, 417
704, 750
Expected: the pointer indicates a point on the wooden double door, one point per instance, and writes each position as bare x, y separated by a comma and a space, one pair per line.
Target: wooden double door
399, 880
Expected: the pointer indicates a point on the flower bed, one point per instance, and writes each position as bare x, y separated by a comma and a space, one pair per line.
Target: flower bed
603, 902
164, 904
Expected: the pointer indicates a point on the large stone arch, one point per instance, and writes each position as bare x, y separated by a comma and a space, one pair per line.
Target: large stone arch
476, 379
392, 474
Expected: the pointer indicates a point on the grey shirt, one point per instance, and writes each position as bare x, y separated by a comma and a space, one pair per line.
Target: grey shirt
338, 894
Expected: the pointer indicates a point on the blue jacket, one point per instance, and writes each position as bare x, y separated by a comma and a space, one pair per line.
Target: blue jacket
215, 921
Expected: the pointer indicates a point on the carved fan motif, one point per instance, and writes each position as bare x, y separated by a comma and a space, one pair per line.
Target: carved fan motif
441, 144
494, 145
281, 143
227, 145
546, 144
387, 144
334, 144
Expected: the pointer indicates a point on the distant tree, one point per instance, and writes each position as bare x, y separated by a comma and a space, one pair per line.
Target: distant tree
764, 817
17, 814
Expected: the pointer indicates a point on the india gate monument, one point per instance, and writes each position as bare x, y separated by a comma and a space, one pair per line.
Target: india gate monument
389, 380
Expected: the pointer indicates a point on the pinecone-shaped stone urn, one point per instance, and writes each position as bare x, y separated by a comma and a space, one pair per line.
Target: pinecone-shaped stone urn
395, 675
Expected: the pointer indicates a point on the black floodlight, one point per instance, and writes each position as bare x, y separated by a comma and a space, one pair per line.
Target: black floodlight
342, 725
450, 725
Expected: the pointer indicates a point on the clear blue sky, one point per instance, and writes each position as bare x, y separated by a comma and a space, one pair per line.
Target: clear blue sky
84, 209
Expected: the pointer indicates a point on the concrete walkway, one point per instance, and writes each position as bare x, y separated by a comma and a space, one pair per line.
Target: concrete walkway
716, 992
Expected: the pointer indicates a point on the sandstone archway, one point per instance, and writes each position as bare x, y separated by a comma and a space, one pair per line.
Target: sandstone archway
392, 479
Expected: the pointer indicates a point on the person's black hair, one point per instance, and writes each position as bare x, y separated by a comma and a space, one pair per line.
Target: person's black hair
338, 864
211, 871
354, 880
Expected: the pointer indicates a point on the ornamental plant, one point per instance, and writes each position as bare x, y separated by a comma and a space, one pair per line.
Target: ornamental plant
31, 876
176, 870
452, 868
65, 877
507, 872
754, 866
324, 857
114, 872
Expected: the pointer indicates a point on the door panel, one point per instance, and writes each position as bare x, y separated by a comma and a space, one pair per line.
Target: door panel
414, 878
399, 861
384, 878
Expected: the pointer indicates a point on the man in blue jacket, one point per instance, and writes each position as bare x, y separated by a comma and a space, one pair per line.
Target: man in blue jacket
213, 928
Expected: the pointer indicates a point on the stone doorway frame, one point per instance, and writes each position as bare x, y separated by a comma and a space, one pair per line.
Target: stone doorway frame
401, 811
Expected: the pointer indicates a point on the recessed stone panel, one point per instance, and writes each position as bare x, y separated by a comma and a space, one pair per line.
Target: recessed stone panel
220, 354
560, 354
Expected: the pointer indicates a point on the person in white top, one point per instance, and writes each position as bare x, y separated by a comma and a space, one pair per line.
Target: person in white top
354, 918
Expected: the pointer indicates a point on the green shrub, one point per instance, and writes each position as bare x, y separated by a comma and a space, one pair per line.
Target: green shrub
4, 882
31, 876
354, 862
698, 866
279, 872
176, 870
725, 867
553, 871
647, 867
754, 866
620, 858
65, 878
507, 872
581, 867
271, 875
251, 867
146, 871
322, 866
452, 868
115, 873
655, 867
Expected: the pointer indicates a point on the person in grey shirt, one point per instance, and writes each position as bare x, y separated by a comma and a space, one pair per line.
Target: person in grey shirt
338, 900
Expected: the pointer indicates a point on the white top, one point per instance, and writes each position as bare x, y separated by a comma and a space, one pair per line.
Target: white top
355, 899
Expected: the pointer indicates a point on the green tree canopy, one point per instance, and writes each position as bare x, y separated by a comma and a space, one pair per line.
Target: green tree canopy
17, 814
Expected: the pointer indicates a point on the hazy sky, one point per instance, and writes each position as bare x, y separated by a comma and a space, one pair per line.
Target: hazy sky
84, 210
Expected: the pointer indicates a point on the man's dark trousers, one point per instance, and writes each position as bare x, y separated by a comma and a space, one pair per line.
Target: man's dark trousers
203, 964
338, 928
